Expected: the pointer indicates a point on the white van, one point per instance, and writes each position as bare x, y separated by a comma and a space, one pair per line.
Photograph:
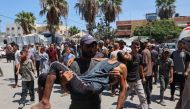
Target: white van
185, 36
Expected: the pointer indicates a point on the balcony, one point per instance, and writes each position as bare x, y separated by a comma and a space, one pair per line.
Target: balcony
123, 23
123, 33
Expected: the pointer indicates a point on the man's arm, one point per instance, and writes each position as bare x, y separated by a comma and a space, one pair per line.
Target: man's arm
123, 89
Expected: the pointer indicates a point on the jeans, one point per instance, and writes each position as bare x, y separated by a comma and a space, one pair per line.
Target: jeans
138, 87
93, 102
164, 81
177, 78
15, 75
148, 88
38, 67
27, 85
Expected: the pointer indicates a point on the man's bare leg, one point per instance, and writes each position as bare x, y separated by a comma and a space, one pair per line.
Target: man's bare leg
45, 102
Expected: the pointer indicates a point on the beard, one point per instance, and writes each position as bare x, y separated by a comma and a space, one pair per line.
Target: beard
88, 54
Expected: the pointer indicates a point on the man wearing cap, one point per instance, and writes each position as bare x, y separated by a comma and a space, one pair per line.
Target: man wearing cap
165, 73
79, 66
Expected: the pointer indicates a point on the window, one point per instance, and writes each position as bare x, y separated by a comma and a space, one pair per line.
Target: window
13, 28
18, 28
19, 34
7, 29
13, 35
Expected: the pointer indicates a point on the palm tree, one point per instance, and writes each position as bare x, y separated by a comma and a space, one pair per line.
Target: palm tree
26, 21
54, 10
88, 9
111, 9
165, 8
73, 30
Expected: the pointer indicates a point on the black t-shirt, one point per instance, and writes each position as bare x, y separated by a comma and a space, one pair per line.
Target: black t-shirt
133, 67
80, 66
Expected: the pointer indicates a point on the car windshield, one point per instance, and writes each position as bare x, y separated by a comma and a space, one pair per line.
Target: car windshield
171, 46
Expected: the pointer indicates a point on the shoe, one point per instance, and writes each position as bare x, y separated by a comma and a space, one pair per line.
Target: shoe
30, 102
149, 106
162, 103
21, 106
15, 86
172, 98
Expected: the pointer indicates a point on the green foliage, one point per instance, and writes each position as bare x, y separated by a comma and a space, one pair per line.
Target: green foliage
104, 31
73, 30
26, 21
54, 10
160, 30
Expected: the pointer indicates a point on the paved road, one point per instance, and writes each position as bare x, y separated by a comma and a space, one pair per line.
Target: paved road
9, 96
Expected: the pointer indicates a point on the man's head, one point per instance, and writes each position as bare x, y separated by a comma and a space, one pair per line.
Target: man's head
24, 53
51, 46
100, 43
121, 44
165, 53
68, 50
135, 46
116, 46
15, 47
88, 46
181, 45
42, 49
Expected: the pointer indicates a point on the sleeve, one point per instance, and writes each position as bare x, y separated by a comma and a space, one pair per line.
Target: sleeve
171, 62
17, 57
187, 57
141, 59
144, 58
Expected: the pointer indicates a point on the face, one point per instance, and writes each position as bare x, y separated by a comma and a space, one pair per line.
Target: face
89, 50
180, 46
51, 46
165, 55
24, 54
68, 50
135, 47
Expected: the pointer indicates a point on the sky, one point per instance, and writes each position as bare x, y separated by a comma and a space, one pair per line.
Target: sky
131, 10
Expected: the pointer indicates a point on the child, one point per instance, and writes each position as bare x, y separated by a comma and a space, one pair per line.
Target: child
26, 69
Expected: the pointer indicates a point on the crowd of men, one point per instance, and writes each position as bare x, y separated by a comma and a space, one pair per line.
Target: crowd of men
86, 69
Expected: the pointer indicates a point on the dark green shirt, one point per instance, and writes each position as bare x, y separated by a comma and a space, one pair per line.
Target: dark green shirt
164, 66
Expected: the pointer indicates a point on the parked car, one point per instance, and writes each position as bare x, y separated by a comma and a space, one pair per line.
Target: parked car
170, 46
2, 52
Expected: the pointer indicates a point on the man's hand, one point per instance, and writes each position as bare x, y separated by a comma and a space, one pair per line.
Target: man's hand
143, 80
171, 80
186, 74
66, 76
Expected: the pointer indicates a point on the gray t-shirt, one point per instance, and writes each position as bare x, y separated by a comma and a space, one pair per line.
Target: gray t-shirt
180, 58
26, 70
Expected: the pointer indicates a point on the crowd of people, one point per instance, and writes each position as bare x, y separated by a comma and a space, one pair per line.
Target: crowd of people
86, 69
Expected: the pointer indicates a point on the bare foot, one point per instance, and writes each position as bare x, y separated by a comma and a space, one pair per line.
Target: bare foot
41, 105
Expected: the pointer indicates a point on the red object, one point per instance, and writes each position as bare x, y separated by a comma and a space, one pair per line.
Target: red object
188, 23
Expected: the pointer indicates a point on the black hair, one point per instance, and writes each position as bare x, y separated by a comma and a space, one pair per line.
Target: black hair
120, 57
135, 42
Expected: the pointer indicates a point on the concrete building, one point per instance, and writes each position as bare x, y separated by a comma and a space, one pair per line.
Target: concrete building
126, 28
13, 29
62, 30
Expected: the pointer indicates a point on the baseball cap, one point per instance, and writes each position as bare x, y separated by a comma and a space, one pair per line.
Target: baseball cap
166, 50
87, 39
100, 42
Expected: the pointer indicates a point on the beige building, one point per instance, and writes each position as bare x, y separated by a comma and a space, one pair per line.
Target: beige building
13, 29
126, 28
40, 28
